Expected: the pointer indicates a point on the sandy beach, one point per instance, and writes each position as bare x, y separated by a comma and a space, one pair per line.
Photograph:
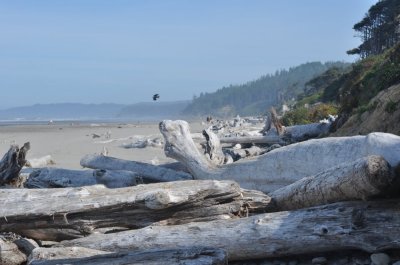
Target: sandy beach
67, 143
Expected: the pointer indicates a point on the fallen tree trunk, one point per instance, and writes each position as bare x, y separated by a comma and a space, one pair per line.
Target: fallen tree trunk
281, 166
192, 256
44, 214
367, 226
62, 178
148, 172
12, 163
362, 179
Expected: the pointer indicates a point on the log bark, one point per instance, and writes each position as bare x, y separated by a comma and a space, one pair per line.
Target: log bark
12, 163
213, 149
362, 179
62, 178
367, 226
192, 256
10, 254
148, 172
281, 166
66, 213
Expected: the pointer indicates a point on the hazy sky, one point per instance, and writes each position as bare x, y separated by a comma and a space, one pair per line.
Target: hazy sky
123, 51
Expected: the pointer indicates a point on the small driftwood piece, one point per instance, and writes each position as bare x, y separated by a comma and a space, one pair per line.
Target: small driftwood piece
62, 178
281, 166
40, 162
12, 163
340, 226
148, 172
188, 256
361, 179
42, 254
44, 214
10, 254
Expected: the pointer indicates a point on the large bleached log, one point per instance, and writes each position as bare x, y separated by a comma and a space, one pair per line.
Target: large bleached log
148, 172
368, 226
62, 178
192, 256
362, 179
65, 213
12, 163
10, 254
42, 254
281, 166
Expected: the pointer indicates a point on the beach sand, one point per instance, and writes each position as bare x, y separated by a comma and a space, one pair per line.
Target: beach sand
67, 143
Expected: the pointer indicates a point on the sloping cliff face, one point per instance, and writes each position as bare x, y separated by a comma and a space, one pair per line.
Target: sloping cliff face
381, 115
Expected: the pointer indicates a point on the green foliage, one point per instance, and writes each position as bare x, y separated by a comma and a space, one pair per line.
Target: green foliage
367, 78
378, 30
257, 96
303, 115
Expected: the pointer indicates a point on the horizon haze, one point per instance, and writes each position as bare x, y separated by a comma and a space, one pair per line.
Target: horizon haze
125, 51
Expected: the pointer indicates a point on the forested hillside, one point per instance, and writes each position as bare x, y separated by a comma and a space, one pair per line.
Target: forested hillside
257, 96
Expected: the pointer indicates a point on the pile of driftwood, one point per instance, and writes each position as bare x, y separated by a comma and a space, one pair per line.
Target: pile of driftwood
314, 196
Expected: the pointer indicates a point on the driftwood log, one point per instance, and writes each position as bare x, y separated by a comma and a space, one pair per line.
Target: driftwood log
281, 166
148, 172
66, 213
362, 179
62, 178
340, 226
12, 163
183, 256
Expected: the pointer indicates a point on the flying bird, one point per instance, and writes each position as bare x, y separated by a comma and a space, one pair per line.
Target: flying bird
156, 96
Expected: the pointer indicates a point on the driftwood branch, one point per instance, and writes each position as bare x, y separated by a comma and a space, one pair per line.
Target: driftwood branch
281, 166
62, 178
148, 172
66, 213
12, 163
341, 226
193, 256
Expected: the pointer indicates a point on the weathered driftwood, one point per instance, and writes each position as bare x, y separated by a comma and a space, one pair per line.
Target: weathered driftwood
304, 132
361, 179
65, 213
148, 172
12, 163
368, 226
192, 256
281, 166
267, 139
276, 122
62, 178
10, 254
40, 162
237, 154
213, 149
42, 254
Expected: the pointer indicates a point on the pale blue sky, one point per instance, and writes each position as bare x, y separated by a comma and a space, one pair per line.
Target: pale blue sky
123, 51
